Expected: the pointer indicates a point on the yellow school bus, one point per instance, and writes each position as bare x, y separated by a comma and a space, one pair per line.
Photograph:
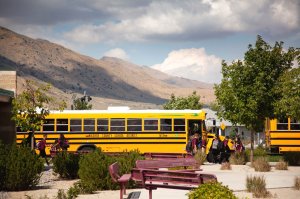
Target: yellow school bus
283, 135
117, 130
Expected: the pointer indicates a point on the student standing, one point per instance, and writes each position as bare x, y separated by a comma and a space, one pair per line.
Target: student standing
42, 148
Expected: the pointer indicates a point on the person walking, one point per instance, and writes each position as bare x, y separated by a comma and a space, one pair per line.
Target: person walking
42, 148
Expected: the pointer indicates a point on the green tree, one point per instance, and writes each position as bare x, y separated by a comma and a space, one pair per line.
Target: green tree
288, 88
80, 104
180, 103
246, 94
32, 106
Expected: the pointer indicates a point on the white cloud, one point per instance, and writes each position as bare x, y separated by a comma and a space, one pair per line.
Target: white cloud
193, 64
192, 20
118, 53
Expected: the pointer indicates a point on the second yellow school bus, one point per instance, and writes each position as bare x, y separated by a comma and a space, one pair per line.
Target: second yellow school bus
117, 130
283, 135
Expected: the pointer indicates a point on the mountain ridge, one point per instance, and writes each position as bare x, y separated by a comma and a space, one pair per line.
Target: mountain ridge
110, 81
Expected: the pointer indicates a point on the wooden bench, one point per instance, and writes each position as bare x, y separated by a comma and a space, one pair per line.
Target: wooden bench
153, 179
165, 163
167, 155
122, 180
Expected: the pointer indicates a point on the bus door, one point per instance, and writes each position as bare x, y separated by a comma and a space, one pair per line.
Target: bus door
195, 126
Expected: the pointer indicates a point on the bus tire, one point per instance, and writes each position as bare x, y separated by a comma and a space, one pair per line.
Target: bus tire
86, 149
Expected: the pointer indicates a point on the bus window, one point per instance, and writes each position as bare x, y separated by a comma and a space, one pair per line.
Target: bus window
134, 124
89, 125
62, 125
179, 125
75, 125
102, 125
117, 124
165, 124
282, 124
48, 125
295, 124
150, 124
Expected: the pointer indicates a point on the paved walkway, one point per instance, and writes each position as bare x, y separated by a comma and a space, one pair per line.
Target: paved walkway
278, 182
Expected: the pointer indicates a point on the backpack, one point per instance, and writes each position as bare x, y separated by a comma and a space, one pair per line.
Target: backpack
38, 145
189, 147
215, 144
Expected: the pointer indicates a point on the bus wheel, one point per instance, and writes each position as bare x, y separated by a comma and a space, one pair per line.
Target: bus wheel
86, 149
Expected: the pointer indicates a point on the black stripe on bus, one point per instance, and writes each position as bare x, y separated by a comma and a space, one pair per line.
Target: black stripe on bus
116, 138
278, 145
285, 139
127, 143
102, 132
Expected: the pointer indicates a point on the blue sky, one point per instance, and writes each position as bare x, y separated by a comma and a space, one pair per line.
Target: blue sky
185, 38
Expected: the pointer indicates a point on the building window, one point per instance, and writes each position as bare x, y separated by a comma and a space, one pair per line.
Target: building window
102, 125
165, 124
179, 125
75, 125
134, 124
150, 124
48, 125
62, 125
89, 125
117, 124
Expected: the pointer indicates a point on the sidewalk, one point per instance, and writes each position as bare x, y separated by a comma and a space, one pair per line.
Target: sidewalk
278, 182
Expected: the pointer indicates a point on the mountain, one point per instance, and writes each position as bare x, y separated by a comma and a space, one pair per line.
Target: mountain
109, 81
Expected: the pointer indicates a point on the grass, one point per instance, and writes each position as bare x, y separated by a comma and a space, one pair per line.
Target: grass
261, 164
237, 158
297, 183
257, 186
281, 165
200, 157
226, 166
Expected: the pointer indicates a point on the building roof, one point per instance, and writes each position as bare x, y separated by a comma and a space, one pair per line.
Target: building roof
6, 95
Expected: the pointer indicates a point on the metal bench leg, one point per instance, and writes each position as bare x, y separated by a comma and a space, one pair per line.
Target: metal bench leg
150, 193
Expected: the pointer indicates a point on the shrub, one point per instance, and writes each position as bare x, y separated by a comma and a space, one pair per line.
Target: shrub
261, 164
226, 166
20, 168
297, 183
281, 165
210, 191
200, 157
237, 158
293, 158
257, 185
66, 165
93, 170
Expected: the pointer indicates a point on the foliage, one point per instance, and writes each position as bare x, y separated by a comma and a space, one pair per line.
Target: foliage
288, 88
93, 170
80, 104
214, 106
200, 157
210, 191
238, 158
226, 166
20, 168
297, 183
257, 185
293, 158
246, 94
261, 164
281, 165
180, 103
258, 152
66, 165
32, 106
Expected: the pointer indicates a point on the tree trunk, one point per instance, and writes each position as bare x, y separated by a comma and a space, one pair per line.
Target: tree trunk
252, 146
